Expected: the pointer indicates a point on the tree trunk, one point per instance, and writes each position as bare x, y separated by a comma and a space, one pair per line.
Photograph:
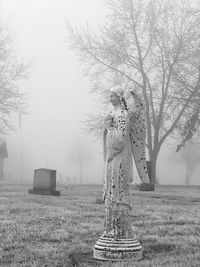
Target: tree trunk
153, 159
151, 167
188, 175
153, 172
147, 187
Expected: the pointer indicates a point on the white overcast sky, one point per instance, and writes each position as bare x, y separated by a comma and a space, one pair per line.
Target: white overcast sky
56, 85
58, 93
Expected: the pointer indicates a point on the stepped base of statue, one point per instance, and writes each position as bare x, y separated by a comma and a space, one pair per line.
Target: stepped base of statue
43, 192
117, 249
118, 241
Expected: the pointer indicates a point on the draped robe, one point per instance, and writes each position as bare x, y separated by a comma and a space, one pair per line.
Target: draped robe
124, 142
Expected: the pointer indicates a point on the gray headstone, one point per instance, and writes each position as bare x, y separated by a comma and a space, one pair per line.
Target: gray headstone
147, 187
99, 201
44, 182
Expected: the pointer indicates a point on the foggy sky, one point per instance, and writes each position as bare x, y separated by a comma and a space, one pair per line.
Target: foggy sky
58, 92
58, 95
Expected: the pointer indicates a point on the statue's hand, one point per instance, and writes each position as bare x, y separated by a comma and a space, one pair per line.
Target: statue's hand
109, 158
105, 131
112, 154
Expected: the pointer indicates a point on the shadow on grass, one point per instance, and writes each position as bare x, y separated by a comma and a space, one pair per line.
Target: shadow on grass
77, 259
159, 248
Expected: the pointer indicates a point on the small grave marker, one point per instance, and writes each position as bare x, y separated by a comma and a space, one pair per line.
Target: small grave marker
44, 182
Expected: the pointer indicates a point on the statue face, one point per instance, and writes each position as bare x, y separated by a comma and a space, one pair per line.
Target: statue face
114, 99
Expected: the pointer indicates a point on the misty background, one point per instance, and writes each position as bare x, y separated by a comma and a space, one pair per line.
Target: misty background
50, 135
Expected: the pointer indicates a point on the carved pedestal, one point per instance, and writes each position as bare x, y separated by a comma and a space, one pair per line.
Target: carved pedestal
118, 241
117, 249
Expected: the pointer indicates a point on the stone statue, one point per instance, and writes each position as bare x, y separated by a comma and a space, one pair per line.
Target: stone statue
124, 146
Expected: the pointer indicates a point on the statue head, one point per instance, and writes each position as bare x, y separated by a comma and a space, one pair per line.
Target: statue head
116, 95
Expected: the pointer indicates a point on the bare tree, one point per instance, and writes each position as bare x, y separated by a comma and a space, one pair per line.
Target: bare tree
152, 46
190, 156
190, 129
11, 72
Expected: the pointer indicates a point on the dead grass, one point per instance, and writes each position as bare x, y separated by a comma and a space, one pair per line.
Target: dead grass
46, 230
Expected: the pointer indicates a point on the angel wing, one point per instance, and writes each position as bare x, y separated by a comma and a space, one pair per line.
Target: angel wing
138, 135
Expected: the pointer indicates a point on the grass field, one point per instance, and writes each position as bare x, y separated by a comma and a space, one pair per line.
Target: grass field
38, 230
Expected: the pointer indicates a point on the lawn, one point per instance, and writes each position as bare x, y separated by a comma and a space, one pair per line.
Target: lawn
37, 230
